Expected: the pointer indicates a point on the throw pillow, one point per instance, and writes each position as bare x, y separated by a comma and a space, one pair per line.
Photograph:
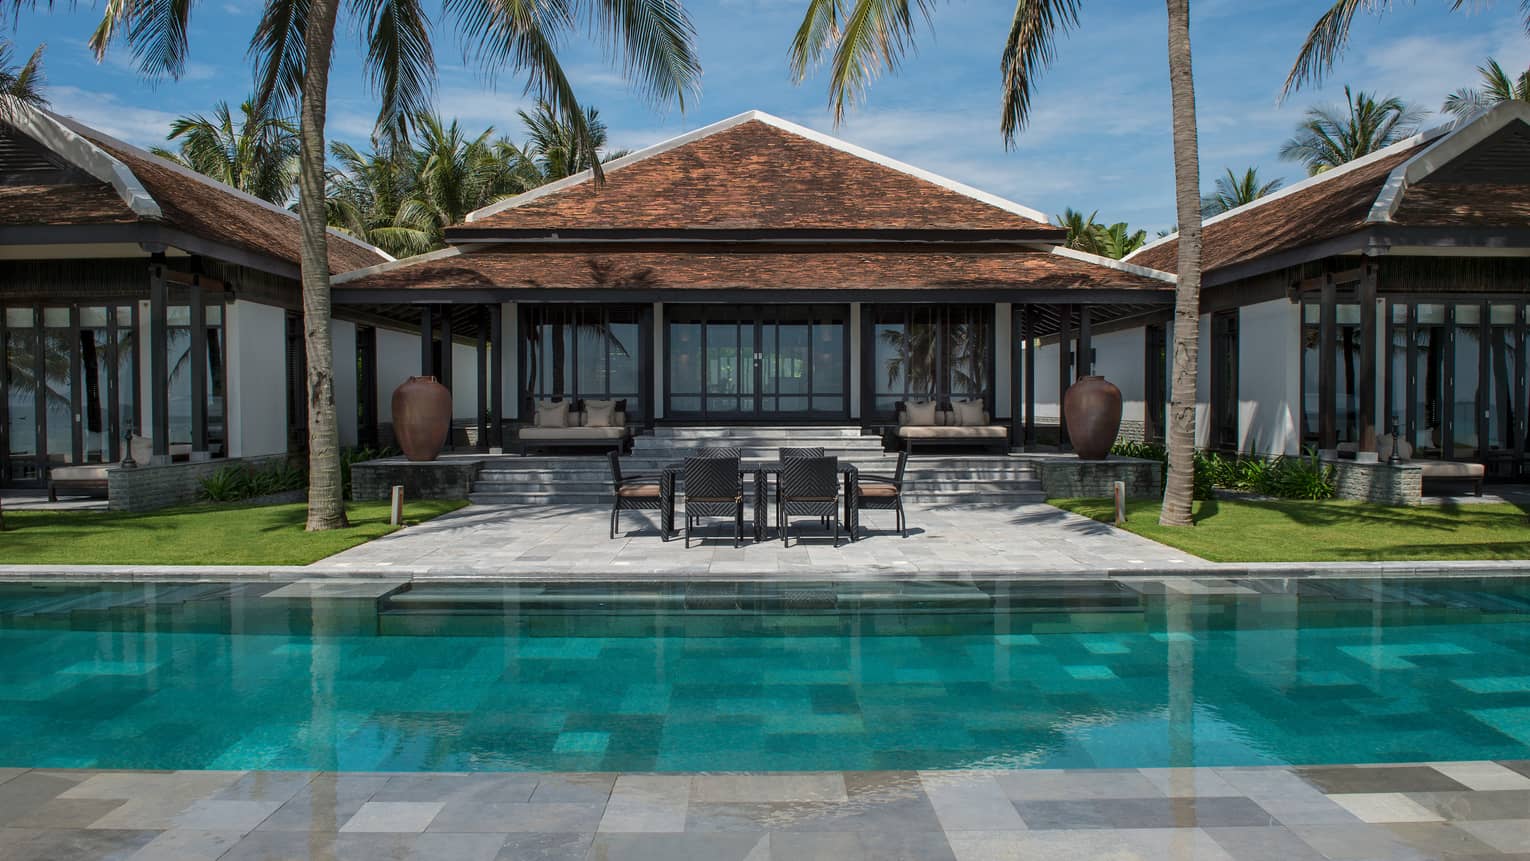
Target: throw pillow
920, 413
142, 449
599, 414
968, 413
551, 414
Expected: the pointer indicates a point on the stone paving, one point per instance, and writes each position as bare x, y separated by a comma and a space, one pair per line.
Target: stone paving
943, 539
1462, 811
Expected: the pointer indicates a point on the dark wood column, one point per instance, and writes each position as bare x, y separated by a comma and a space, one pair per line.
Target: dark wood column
481, 413
1327, 366
444, 368
1085, 351
427, 335
1028, 334
497, 387
198, 368
159, 371
1367, 386
76, 386
1064, 369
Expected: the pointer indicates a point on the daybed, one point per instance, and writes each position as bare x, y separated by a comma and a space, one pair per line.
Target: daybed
90, 479
594, 423
947, 423
1434, 470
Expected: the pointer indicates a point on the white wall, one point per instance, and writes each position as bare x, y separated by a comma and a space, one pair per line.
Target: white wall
398, 359
342, 336
257, 379
465, 381
1117, 357
1269, 378
1202, 384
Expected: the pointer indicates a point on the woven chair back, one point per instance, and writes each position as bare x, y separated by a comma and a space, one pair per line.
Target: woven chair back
810, 478
711, 478
797, 453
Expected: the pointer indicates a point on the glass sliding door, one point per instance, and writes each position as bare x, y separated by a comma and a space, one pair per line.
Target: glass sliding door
23, 419
929, 352
747, 363
584, 351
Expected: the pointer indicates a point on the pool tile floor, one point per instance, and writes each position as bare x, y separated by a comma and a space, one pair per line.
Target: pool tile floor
1453, 811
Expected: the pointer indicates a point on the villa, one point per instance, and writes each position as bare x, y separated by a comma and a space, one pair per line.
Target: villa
755, 272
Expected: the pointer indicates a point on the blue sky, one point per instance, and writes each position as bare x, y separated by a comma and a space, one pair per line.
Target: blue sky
1099, 137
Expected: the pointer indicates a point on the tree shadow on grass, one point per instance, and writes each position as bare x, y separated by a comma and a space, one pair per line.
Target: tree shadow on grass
1444, 518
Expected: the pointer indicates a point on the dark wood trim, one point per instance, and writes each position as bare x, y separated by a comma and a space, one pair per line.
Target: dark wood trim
1016, 361
113, 388
680, 296
497, 376
1327, 367
137, 358
159, 369
1411, 367
1484, 394
1448, 387
646, 359
1029, 333
39, 376
444, 366
76, 397
1388, 369
1085, 364
366, 386
481, 414
1521, 384
150, 235
427, 338
5, 402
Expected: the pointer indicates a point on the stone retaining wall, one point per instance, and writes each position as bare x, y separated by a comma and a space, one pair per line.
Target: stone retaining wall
146, 488
1064, 476
447, 478
1381, 483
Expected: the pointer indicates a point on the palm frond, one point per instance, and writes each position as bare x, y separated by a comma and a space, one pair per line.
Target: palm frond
1326, 41
280, 55
400, 62
1028, 51
656, 42
869, 40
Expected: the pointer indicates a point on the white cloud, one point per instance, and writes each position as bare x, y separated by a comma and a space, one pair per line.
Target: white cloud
132, 123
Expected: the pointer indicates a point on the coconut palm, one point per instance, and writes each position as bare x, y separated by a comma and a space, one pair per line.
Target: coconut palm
1331, 136
1330, 35
23, 83
1233, 191
1082, 229
557, 149
1496, 86
861, 39
292, 47
257, 154
1118, 240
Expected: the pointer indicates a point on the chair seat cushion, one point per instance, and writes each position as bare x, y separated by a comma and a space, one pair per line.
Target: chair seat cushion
636, 491
573, 433
882, 490
1451, 469
79, 473
948, 432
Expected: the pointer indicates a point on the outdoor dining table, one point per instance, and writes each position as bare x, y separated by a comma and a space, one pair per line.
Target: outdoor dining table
762, 470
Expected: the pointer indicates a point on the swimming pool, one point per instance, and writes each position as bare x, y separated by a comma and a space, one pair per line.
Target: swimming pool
714, 676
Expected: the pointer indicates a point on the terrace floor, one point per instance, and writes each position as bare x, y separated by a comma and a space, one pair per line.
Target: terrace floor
562, 540
1462, 810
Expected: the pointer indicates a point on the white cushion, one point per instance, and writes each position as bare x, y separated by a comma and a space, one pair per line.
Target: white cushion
919, 413
93, 472
951, 432
551, 414
572, 433
599, 414
968, 413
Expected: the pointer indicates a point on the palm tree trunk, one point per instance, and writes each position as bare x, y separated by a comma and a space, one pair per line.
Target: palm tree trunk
326, 501
1179, 484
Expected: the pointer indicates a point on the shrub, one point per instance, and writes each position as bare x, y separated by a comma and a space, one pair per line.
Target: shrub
1303, 476
229, 484
235, 482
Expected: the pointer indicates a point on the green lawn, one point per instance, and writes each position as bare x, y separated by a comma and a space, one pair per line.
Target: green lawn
198, 535
1292, 531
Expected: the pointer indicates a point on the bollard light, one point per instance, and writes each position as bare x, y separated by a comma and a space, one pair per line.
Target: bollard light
396, 506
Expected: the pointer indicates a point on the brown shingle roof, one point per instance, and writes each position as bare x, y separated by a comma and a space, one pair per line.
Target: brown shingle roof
716, 267
205, 208
82, 203
1326, 209
755, 174
1443, 204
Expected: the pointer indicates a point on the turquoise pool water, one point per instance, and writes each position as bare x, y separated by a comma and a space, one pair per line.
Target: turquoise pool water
811, 676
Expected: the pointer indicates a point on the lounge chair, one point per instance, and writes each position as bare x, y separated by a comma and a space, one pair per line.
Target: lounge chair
632, 493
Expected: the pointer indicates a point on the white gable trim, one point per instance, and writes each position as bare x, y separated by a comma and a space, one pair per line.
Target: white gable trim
392, 264
1316, 179
87, 133
1112, 263
54, 133
1459, 137
770, 120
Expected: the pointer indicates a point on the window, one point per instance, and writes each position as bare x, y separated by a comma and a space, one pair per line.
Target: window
934, 352
583, 351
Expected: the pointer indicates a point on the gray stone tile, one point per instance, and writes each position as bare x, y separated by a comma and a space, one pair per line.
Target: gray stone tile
1440, 839
457, 787
1189, 844
681, 847
65, 813
1508, 804
1371, 779
1504, 835
1189, 782
325, 804
504, 817
1062, 815
225, 815
768, 787
1263, 844
277, 786
328, 846
400, 817
648, 803
1076, 785
59, 844
28, 791
1361, 842
1181, 812
576, 788
8, 773
544, 846
185, 844
970, 801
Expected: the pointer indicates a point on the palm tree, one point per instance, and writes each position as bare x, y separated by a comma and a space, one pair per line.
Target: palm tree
257, 155
1118, 240
860, 40
1331, 136
1083, 230
23, 83
1233, 191
1496, 87
292, 46
1330, 35
557, 149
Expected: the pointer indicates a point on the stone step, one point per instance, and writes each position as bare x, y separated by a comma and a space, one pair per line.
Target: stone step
746, 431
604, 498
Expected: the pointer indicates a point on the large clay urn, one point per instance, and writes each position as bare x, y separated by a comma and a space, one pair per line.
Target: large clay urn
422, 417
1092, 407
